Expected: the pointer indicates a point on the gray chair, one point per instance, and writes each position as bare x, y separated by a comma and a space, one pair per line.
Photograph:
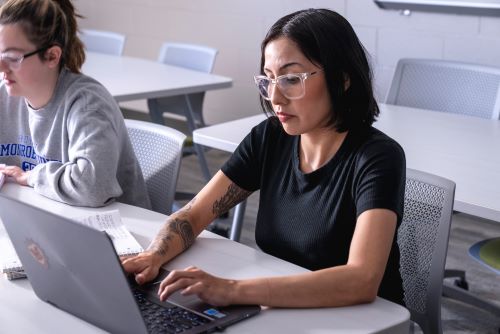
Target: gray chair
197, 58
100, 41
453, 87
159, 150
423, 243
446, 86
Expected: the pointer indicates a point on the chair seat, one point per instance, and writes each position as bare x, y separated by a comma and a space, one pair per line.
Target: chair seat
487, 252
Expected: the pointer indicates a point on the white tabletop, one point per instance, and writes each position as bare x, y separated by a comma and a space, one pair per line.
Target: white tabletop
22, 312
129, 78
461, 148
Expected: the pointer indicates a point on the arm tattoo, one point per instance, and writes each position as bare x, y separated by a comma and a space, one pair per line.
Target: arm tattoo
176, 227
233, 196
184, 230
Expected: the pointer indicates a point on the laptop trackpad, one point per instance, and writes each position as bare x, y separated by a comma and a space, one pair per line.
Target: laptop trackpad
223, 315
191, 302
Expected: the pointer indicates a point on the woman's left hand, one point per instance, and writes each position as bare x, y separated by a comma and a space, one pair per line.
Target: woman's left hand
16, 173
212, 290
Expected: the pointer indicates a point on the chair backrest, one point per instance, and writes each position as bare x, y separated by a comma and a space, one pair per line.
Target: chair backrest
106, 42
447, 86
159, 150
194, 57
423, 243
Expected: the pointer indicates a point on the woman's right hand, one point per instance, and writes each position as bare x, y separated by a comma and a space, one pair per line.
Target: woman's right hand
182, 227
145, 266
16, 174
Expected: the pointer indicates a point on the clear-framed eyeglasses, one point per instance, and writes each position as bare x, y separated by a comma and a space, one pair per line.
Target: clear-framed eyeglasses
14, 59
291, 85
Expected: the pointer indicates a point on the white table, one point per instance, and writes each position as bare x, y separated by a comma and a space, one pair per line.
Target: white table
461, 148
128, 79
22, 312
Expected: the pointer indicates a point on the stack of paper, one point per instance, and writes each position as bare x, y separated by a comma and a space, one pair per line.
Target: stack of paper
111, 223
10, 265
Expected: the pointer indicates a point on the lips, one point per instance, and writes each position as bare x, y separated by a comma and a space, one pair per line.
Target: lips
8, 81
283, 117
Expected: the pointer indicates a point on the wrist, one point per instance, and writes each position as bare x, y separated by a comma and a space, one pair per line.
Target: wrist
249, 291
29, 179
158, 255
158, 260
235, 292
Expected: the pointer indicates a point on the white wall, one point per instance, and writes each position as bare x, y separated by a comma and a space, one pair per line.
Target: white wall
236, 28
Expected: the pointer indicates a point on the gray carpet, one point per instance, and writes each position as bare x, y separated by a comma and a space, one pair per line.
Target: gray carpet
457, 317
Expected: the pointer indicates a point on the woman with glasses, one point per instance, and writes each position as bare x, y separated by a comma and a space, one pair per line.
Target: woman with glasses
60, 131
331, 186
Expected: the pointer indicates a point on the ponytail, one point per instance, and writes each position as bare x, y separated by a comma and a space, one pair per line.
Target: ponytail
74, 49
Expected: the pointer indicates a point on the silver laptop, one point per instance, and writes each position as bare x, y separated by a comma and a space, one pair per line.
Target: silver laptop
75, 268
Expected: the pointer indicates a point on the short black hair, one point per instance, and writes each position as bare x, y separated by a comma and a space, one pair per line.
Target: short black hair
329, 41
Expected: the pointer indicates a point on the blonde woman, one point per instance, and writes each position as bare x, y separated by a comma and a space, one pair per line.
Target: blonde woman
61, 132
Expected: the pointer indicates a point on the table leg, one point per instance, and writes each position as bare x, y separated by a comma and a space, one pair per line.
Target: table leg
198, 148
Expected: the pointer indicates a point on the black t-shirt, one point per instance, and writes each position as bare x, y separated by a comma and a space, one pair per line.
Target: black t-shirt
309, 219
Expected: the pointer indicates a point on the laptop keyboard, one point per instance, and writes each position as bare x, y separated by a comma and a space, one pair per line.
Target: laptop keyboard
167, 318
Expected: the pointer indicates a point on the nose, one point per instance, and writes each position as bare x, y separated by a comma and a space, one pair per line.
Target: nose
275, 95
3, 66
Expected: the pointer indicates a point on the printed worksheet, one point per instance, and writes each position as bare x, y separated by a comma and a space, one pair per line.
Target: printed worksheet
111, 223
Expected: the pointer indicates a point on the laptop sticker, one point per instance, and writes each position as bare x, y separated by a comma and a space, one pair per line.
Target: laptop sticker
37, 253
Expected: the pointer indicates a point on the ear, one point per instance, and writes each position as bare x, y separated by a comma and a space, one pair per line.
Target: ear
53, 56
347, 82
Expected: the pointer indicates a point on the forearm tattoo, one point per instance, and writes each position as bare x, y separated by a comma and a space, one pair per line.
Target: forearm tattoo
233, 196
176, 227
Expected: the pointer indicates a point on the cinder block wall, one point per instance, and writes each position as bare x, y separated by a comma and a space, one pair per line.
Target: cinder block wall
237, 27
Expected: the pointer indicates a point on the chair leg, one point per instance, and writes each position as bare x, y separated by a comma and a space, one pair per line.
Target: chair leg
459, 275
239, 213
454, 273
456, 293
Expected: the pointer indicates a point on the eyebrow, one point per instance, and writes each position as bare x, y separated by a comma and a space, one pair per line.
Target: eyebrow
284, 66
13, 50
